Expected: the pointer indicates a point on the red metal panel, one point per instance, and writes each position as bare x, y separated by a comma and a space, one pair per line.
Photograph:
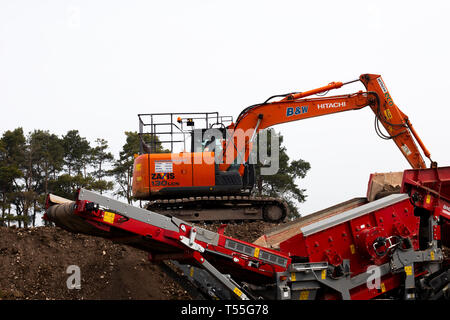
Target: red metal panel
436, 180
353, 240
343, 241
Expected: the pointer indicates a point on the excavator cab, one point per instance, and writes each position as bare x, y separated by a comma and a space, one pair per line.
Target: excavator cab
178, 171
180, 132
179, 154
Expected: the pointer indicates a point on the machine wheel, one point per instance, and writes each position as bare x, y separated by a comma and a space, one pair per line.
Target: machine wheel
273, 213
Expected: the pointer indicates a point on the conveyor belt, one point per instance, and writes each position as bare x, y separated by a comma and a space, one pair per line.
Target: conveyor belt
60, 211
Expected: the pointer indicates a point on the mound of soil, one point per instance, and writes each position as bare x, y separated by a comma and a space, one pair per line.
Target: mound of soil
34, 262
34, 265
245, 231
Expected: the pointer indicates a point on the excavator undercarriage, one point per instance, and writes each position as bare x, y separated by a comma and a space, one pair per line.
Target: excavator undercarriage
222, 208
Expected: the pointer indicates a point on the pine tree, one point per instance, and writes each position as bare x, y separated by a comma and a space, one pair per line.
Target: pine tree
12, 160
99, 158
283, 183
45, 155
76, 152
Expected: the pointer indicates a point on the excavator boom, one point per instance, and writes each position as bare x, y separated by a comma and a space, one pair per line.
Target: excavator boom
294, 107
215, 184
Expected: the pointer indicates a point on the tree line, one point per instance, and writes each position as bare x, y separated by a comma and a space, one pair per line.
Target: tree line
40, 162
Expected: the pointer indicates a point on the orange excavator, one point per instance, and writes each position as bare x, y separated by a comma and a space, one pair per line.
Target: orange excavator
202, 185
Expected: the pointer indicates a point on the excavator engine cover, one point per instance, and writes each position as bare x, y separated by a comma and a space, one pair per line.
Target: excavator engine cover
159, 174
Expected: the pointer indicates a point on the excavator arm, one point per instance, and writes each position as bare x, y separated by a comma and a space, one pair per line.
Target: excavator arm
180, 183
295, 107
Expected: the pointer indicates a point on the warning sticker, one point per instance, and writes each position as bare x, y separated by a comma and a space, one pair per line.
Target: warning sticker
163, 167
237, 291
108, 217
406, 149
408, 270
304, 295
381, 84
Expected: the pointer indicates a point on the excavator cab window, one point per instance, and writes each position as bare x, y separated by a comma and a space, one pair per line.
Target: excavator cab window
203, 141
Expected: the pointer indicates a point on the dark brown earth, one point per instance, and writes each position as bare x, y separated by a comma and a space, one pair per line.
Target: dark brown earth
245, 231
34, 262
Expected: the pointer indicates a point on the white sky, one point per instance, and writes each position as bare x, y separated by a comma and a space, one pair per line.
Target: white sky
94, 65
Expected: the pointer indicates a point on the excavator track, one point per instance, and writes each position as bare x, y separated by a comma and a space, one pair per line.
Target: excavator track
222, 208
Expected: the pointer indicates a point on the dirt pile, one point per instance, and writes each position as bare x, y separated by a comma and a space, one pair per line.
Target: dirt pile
34, 262
245, 231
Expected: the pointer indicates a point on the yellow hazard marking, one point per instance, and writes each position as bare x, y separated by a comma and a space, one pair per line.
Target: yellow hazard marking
138, 167
293, 277
256, 254
191, 272
408, 270
109, 217
388, 114
304, 295
428, 199
432, 255
324, 274
352, 249
383, 287
237, 291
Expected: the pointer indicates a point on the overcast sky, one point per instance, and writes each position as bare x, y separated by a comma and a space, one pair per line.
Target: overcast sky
94, 65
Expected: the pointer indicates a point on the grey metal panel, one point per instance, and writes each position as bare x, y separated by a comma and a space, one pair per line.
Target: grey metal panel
146, 216
207, 236
204, 281
129, 211
353, 213
299, 267
362, 278
305, 285
225, 280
